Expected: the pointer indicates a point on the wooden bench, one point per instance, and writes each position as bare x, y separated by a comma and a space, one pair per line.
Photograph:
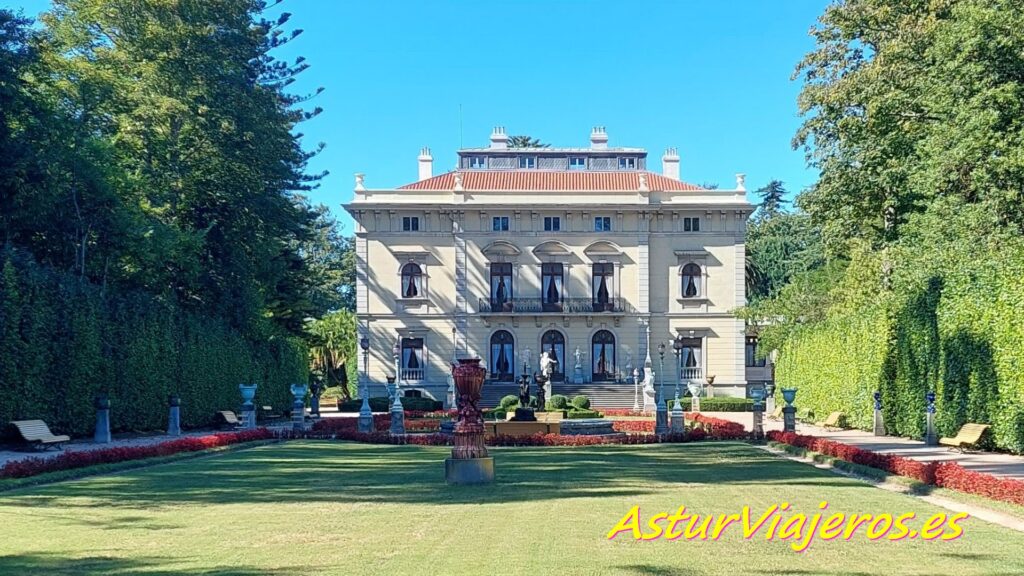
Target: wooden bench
968, 436
777, 413
834, 421
37, 434
228, 418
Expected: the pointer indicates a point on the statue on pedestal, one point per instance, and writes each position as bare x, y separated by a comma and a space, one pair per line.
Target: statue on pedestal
577, 371
649, 392
540, 380
547, 368
524, 391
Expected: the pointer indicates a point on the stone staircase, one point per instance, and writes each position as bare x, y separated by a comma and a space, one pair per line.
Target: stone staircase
601, 394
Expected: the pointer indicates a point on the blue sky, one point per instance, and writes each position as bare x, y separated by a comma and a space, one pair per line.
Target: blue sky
710, 78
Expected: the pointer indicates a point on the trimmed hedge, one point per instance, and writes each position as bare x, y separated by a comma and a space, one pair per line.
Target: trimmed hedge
557, 402
949, 322
581, 402
382, 404
578, 413
62, 341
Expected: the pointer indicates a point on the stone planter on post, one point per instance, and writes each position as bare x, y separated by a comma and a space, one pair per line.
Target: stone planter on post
469, 463
677, 424
102, 404
758, 396
930, 438
248, 392
879, 423
789, 411
298, 406
695, 390
174, 416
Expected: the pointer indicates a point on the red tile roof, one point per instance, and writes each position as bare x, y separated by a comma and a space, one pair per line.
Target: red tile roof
561, 181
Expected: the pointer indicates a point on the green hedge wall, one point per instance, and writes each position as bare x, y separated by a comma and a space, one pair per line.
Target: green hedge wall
63, 341
951, 321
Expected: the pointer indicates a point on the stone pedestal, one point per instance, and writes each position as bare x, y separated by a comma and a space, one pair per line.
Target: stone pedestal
879, 423
661, 419
524, 415
577, 375
769, 404
102, 435
248, 417
314, 406
469, 470
677, 417
174, 417
397, 418
758, 423
930, 438
789, 419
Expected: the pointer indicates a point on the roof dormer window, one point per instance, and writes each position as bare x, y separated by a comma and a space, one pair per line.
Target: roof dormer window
627, 163
478, 162
577, 163
529, 162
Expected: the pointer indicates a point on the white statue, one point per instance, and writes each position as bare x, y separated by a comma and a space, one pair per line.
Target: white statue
578, 355
649, 402
547, 365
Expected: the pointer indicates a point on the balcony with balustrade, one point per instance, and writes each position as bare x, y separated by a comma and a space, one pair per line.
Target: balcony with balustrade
573, 306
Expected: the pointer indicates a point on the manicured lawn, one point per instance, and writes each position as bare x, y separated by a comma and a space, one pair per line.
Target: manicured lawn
336, 508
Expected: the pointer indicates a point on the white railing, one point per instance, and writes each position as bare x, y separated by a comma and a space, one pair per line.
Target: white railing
411, 375
694, 373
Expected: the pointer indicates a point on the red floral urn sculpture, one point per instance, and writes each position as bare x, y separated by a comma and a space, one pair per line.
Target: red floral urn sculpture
469, 428
469, 463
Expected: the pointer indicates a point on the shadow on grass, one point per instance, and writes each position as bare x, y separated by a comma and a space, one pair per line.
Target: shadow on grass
58, 565
329, 471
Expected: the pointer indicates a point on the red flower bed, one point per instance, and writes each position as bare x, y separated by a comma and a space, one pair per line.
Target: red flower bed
922, 471
633, 426
622, 412
956, 477
717, 428
82, 458
433, 414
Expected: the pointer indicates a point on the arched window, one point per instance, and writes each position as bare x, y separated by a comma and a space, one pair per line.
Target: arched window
691, 281
603, 356
502, 363
553, 342
412, 281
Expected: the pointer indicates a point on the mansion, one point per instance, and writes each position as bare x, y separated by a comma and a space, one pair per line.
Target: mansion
582, 253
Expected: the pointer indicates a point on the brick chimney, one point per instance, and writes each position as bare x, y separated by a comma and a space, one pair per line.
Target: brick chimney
499, 140
598, 138
426, 162
670, 164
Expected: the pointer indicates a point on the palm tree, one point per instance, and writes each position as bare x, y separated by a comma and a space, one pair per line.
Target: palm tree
524, 141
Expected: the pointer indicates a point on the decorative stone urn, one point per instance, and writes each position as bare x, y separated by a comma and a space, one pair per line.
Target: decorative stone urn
789, 395
298, 406
248, 392
469, 463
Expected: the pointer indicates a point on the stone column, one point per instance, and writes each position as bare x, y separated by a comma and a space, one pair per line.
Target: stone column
298, 406
397, 414
879, 422
174, 416
102, 435
789, 419
677, 417
758, 414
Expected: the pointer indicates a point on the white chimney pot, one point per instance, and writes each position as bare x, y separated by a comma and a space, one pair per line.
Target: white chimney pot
426, 162
670, 164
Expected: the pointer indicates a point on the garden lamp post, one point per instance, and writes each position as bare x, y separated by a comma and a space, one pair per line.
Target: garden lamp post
396, 354
661, 414
677, 348
365, 414
452, 401
636, 390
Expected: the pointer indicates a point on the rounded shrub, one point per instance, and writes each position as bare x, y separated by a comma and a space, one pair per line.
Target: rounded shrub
508, 402
558, 402
581, 402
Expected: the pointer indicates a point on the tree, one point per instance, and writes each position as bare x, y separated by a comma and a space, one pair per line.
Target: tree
773, 196
332, 350
524, 141
908, 102
779, 247
330, 257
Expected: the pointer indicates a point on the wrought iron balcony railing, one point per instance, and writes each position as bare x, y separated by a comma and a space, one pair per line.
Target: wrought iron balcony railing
563, 306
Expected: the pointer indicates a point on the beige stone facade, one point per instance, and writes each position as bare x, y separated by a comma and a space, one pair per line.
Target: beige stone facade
565, 249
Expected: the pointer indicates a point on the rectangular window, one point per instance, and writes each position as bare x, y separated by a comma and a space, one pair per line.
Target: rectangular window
628, 163
603, 284
603, 224
691, 224
577, 163
413, 366
501, 286
527, 161
551, 287
552, 223
752, 359
477, 161
499, 224
690, 361
410, 223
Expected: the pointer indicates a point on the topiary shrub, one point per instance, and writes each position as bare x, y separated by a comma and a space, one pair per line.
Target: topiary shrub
508, 402
379, 404
581, 402
557, 402
583, 413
